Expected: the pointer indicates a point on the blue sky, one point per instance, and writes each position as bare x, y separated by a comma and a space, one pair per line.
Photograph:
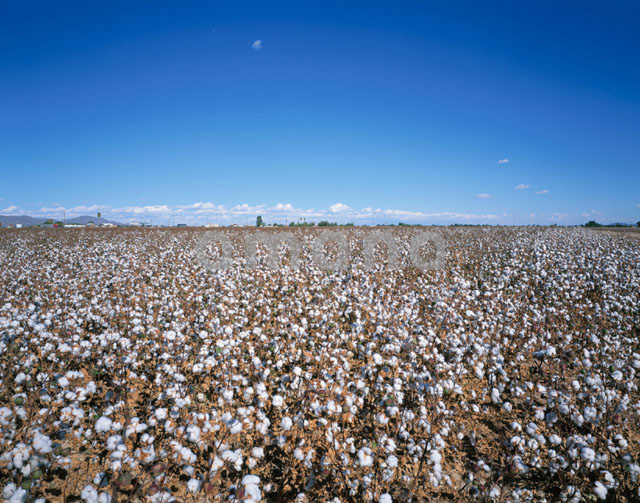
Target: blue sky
348, 111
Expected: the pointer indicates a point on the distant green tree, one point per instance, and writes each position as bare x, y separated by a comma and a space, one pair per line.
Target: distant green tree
49, 221
592, 223
637, 224
259, 221
99, 215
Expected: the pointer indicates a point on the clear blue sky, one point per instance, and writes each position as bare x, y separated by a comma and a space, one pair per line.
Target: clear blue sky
372, 111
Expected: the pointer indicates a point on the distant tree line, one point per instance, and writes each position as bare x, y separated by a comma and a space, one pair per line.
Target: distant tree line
593, 223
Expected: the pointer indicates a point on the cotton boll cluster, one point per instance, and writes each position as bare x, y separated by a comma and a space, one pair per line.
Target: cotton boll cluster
509, 376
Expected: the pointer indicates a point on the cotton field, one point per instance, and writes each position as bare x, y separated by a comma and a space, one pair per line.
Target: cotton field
129, 372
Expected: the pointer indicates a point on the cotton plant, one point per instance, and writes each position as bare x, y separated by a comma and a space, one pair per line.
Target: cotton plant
144, 375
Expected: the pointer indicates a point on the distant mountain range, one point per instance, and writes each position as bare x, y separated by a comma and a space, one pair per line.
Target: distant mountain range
28, 221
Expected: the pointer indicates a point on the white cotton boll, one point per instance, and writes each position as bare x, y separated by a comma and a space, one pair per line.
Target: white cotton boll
257, 452
392, 461
622, 442
495, 395
277, 401
377, 359
385, 498
103, 424
252, 493
251, 488
578, 419
228, 395
19, 496
193, 433
42, 443
234, 457
113, 441
617, 375
364, 457
8, 490
382, 418
20, 378
590, 413
588, 454
89, 494
193, 486
161, 414
600, 490
507, 406
235, 427
63, 382
298, 454
436, 457
494, 493
610, 482
250, 479
286, 423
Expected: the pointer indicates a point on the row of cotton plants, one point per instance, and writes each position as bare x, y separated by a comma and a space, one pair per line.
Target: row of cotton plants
131, 373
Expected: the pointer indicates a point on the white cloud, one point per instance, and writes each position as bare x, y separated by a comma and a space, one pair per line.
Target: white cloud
483, 196
245, 208
503, 161
144, 210
522, 186
339, 208
543, 191
638, 205
201, 213
283, 207
257, 45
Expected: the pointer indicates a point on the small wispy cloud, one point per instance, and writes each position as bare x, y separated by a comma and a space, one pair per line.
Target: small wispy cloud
483, 196
503, 161
522, 186
9, 209
339, 208
543, 191
638, 205
257, 45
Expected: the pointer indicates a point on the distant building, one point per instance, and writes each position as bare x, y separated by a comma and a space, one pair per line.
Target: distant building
181, 225
18, 226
